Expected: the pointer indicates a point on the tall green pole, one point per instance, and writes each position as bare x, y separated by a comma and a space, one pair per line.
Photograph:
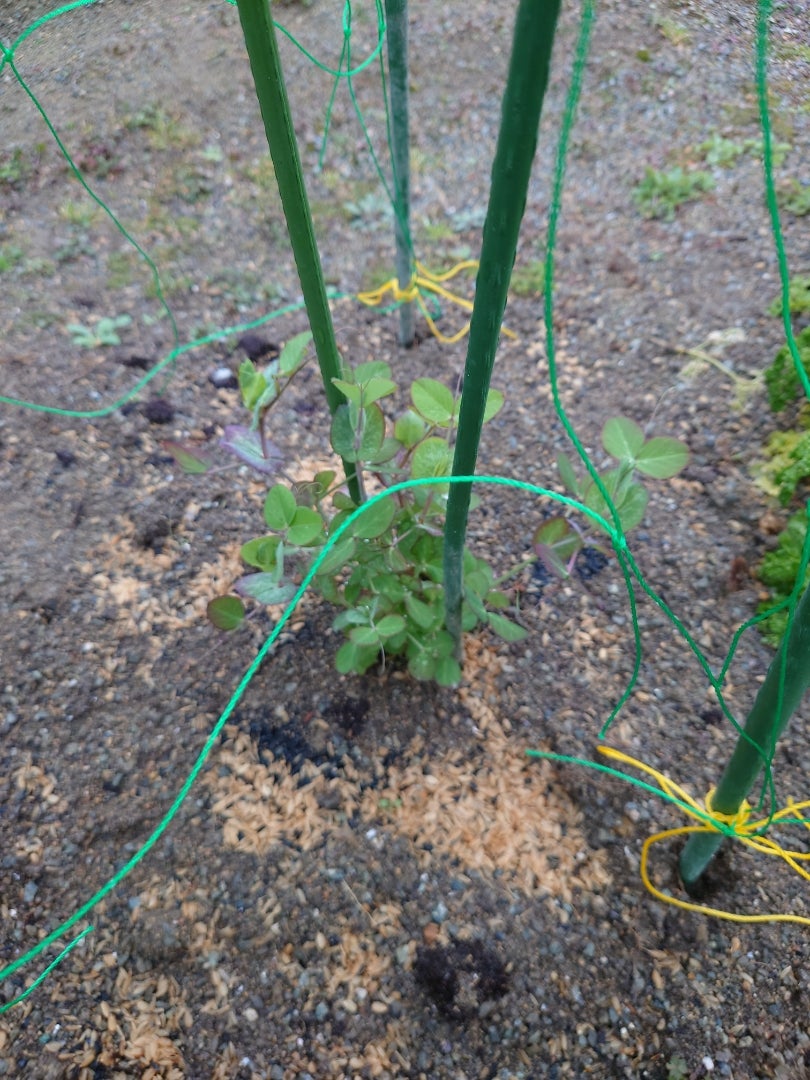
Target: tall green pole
396, 17
785, 684
517, 138
265, 64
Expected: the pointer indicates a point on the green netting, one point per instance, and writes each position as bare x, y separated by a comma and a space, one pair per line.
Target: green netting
632, 576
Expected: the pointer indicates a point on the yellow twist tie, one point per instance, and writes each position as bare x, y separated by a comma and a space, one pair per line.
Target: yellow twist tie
423, 279
737, 825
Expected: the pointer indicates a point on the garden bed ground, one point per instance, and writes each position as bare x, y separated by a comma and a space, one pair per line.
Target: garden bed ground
369, 878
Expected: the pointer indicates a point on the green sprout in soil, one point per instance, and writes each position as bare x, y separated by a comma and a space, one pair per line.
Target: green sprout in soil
529, 279
558, 542
104, 332
385, 575
794, 197
660, 194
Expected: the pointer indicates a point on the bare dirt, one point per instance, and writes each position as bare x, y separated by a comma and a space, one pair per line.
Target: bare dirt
369, 878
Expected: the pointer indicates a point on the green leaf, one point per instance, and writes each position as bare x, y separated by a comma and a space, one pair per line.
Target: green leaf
433, 457
622, 438
322, 482
422, 665
261, 552
251, 383
662, 458
362, 444
226, 612
372, 369
365, 635
338, 557
389, 626
387, 452
351, 392
294, 354
279, 507
632, 506
494, 404
354, 658
409, 429
568, 476
306, 527
433, 400
342, 501
265, 588
374, 521
505, 628
425, 616
448, 672
377, 388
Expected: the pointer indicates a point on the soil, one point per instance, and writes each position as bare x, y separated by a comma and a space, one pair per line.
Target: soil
369, 877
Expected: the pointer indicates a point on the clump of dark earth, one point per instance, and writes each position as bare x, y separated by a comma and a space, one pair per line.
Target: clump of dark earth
459, 977
255, 347
158, 411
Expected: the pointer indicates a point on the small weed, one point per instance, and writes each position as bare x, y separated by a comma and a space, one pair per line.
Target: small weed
782, 379
778, 571
164, 131
18, 166
10, 256
438, 232
660, 193
529, 279
80, 215
558, 542
677, 1069
794, 197
675, 33
798, 297
120, 269
720, 151
104, 332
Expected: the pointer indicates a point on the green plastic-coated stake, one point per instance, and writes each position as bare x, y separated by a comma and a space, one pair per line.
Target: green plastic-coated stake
785, 684
268, 78
517, 138
396, 17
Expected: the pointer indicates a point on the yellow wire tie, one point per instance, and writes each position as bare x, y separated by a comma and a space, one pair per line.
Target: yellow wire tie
426, 280
737, 825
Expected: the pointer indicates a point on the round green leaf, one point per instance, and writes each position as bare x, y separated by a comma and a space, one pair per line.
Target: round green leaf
662, 458
494, 404
279, 507
337, 558
622, 438
433, 400
409, 429
432, 457
226, 612
360, 442
365, 636
306, 527
261, 552
374, 521
389, 626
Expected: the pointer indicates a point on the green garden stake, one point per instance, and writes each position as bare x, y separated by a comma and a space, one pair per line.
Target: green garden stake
268, 78
396, 16
779, 696
517, 138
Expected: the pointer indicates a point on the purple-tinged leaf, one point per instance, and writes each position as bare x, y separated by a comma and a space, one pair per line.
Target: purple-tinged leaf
187, 457
247, 445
